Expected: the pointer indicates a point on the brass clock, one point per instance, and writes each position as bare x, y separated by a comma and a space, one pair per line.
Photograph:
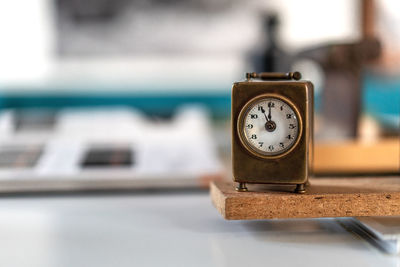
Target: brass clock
272, 130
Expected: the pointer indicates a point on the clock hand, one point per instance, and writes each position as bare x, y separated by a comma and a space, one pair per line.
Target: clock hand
269, 112
270, 125
263, 111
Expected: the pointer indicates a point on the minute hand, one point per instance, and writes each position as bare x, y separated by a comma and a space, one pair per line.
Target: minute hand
269, 113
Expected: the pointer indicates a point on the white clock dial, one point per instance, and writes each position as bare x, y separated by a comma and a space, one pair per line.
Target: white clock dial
270, 126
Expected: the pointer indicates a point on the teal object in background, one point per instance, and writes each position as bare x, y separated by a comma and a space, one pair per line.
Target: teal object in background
153, 104
381, 99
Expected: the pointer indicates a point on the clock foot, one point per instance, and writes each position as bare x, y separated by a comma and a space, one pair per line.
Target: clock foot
241, 187
300, 189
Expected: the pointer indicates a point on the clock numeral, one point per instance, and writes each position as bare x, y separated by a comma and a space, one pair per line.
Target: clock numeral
281, 107
249, 126
289, 137
271, 148
253, 136
271, 104
288, 116
281, 145
260, 108
292, 126
253, 116
261, 143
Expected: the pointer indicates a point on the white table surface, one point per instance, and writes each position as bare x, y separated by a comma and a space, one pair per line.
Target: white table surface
170, 229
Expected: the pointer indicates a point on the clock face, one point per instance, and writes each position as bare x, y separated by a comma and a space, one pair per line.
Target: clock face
270, 126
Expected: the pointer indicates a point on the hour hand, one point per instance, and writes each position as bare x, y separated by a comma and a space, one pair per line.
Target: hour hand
263, 111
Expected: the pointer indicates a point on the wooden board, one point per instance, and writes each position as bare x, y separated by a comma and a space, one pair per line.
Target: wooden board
382, 156
325, 197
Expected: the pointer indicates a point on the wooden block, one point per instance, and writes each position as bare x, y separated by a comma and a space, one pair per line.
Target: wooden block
382, 156
325, 197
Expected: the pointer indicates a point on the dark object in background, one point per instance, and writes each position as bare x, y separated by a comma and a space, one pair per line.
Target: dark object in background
90, 10
342, 65
20, 156
126, 28
271, 58
108, 157
34, 119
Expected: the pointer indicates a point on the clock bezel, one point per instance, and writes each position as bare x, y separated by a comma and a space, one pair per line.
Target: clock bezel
241, 131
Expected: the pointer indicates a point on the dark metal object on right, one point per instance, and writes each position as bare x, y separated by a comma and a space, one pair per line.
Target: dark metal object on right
342, 65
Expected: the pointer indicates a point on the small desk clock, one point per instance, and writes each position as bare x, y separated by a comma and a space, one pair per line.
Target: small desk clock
272, 130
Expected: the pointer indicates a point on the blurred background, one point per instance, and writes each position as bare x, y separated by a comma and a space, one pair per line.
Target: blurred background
114, 94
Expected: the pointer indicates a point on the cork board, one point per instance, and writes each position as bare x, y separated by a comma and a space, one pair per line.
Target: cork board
325, 197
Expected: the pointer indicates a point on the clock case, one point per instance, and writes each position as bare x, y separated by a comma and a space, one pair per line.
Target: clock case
292, 168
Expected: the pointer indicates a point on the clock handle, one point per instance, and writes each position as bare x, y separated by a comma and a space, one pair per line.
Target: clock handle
272, 76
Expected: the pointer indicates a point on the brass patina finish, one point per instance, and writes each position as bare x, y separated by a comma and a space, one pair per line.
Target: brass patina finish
291, 167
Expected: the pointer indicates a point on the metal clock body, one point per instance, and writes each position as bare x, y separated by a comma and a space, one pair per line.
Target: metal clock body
272, 133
